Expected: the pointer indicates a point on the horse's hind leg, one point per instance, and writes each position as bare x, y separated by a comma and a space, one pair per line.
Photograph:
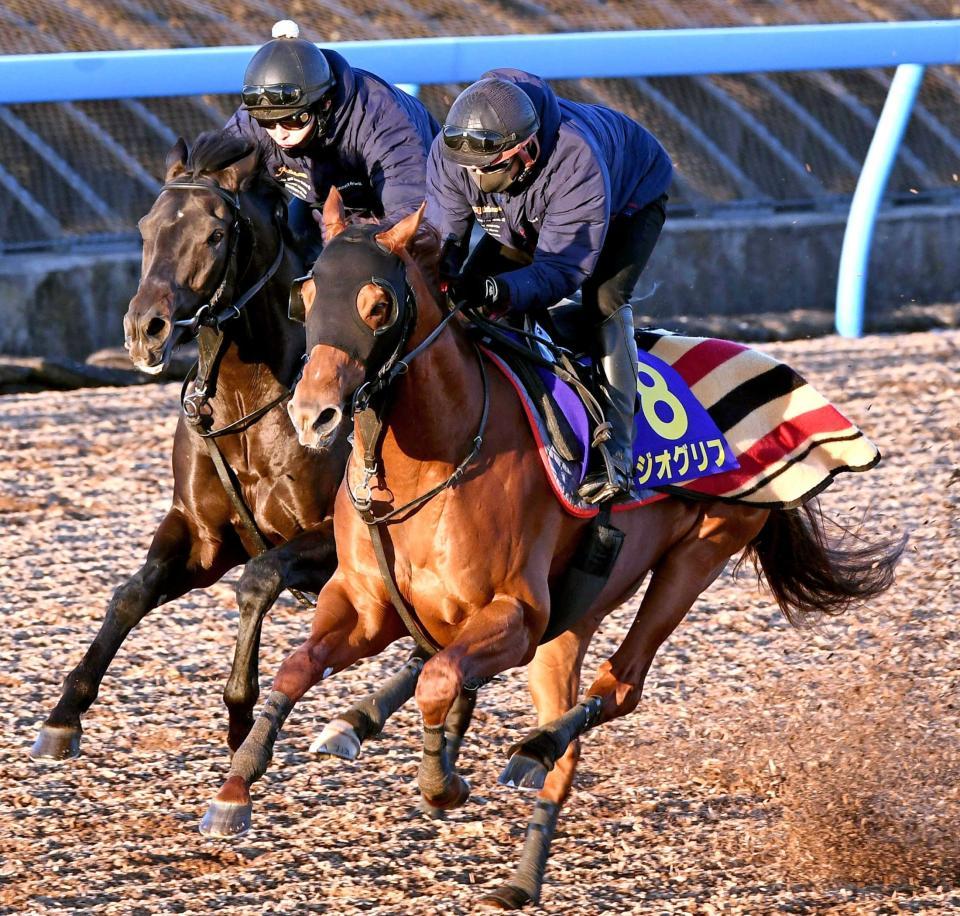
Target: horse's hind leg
684, 572
304, 563
687, 569
165, 575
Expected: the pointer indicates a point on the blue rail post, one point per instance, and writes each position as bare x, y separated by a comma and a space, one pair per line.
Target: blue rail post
857, 238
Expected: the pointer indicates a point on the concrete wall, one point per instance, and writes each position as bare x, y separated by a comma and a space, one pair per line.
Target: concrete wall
785, 262
55, 305
65, 305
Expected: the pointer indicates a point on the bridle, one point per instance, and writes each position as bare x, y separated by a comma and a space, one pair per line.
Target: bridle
207, 324
207, 314
213, 315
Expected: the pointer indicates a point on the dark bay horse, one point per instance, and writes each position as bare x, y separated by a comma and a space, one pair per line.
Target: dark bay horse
446, 524
215, 235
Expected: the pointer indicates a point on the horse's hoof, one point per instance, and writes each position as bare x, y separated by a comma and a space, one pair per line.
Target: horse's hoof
523, 772
427, 810
57, 742
226, 819
455, 796
338, 739
506, 897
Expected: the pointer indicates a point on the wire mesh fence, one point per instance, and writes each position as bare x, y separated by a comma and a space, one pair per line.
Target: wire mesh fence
85, 171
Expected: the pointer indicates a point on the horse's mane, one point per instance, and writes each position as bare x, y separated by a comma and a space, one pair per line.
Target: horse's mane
215, 150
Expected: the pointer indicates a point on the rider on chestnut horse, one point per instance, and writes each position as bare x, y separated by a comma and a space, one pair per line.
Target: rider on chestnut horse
570, 195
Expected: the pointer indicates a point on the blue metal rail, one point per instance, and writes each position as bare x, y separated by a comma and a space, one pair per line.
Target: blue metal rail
909, 46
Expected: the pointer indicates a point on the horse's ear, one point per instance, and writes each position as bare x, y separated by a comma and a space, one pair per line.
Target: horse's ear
176, 160
237, 175
334, 219
398, 237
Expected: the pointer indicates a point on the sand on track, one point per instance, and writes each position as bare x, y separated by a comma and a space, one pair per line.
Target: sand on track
767, 770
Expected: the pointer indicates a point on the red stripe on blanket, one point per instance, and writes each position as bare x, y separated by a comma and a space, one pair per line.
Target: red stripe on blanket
774, 447
701, 360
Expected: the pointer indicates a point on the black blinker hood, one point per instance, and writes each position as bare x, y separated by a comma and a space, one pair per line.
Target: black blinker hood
348, 263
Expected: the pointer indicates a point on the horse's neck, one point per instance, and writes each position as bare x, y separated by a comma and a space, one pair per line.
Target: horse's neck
261, 342
439, 400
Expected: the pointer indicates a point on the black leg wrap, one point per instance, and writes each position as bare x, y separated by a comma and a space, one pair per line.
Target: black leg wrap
440, 784
548, 744
533, 758
253, 756
525, 883
434, 775
457, 723
368, 717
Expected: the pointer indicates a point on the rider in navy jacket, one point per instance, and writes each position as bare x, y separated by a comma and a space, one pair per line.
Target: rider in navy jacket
570, 196
322, 123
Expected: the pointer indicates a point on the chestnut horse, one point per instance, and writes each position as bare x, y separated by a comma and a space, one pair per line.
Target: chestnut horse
215, 235
473, 543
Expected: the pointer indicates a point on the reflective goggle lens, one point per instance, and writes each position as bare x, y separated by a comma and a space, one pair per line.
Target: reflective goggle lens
295, 122
279, 94
475, 140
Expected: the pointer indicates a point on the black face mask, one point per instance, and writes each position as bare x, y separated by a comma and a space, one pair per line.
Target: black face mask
494, 181
347, 264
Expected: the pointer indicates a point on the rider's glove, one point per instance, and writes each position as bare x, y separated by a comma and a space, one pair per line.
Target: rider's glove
488, 294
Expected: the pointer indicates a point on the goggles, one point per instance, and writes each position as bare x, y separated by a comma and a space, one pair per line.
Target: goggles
281, 94
477, 140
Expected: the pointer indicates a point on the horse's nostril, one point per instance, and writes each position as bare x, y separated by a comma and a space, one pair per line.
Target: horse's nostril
156, 327
327, 416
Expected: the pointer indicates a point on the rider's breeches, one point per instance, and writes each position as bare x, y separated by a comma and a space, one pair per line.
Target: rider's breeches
626, 250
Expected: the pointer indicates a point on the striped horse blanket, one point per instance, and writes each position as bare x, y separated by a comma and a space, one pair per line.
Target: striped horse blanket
789, 440
783, 442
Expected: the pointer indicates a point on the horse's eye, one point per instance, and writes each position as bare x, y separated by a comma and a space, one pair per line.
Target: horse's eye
216, 237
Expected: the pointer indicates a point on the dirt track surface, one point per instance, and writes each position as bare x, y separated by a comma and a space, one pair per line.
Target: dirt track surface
767, 771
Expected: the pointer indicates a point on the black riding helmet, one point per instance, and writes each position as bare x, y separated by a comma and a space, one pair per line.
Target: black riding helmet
486, 119
287, 76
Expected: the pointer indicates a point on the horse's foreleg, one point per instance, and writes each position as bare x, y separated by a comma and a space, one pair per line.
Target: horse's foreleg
344, 735
496, 638
165, 575
554, 677
305, 562
454, 728
339, 636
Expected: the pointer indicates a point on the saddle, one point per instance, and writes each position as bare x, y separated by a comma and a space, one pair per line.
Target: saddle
715, 420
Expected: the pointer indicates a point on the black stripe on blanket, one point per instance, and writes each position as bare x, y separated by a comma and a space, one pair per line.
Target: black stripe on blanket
741, 401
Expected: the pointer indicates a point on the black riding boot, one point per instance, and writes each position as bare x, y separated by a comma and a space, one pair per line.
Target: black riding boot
618, 389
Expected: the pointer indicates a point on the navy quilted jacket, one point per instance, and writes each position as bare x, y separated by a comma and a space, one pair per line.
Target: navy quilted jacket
594, 164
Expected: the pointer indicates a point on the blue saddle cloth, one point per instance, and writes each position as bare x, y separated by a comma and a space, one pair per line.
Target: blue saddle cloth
675, 439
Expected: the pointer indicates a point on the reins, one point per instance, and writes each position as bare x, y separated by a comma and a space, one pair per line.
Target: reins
369, 422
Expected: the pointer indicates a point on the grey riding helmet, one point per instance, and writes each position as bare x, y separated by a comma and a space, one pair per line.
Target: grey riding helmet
287, 76
486, 119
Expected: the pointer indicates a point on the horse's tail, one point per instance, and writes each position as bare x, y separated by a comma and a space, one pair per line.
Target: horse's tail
811, 573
